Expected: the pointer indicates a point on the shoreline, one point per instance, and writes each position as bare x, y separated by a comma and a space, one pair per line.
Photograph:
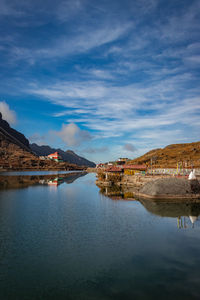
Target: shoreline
42, 169
153, 187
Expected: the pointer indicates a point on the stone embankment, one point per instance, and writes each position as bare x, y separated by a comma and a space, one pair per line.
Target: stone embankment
171, 188
130, 180
157, 187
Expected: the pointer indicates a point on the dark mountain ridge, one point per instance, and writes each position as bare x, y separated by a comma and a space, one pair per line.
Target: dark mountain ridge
13, 135
68, 156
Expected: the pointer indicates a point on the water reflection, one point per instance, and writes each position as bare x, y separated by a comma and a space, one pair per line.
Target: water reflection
73, 243
186, 212
117, 193
23, 181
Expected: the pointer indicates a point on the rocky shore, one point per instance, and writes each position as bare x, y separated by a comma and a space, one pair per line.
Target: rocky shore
152, 187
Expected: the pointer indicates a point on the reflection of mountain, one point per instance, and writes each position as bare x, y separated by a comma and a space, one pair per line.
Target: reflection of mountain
23, 181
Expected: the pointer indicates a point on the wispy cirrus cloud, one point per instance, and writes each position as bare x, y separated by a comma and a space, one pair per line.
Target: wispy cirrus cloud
119, 70
119, 110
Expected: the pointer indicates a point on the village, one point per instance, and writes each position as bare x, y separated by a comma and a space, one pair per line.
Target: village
124, 166
147, 181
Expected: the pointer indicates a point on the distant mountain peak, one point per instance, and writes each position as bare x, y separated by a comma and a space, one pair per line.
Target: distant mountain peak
70, 151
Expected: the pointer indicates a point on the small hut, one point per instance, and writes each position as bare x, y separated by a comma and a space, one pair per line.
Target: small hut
55, 156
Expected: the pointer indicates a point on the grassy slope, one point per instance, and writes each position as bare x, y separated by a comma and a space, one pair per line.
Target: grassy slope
169, 156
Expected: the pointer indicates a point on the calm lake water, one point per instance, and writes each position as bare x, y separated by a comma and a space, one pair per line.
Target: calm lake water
60, 238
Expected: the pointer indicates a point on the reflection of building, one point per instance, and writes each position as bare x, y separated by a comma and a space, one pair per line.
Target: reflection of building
193, 219
55, 156
55, 182
182, 223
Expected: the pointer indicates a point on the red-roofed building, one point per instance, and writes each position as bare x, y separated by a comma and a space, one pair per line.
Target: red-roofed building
55, 156
114, 169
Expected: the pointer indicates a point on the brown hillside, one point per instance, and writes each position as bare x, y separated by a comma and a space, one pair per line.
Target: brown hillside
187, 155
13, 157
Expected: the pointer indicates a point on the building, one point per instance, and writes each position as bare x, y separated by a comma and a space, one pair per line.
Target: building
121, 161
113, 172
134, 169
99, 166
114, 169
55, 156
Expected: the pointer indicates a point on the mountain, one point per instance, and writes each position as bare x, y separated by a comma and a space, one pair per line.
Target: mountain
13, 135
16, 154
68, 156
187, 154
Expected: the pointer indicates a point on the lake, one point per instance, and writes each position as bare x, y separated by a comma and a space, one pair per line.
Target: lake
60, 238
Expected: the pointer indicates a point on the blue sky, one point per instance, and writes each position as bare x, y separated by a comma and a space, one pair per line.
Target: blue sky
107, 79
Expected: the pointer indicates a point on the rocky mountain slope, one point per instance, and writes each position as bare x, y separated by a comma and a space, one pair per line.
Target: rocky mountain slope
13, 135
187, 155
16, 154
68, 156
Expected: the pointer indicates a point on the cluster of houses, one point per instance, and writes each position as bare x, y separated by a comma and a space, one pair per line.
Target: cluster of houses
122, 166
53, 156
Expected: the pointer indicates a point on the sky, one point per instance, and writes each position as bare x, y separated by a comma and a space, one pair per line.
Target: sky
106, 79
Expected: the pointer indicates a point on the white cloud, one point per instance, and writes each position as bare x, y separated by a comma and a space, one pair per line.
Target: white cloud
129, 147
69, 9
127, 77
114, 110
7, 114
38, 139
181, 26
85, 40
93, 150
72, 135
8, 10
